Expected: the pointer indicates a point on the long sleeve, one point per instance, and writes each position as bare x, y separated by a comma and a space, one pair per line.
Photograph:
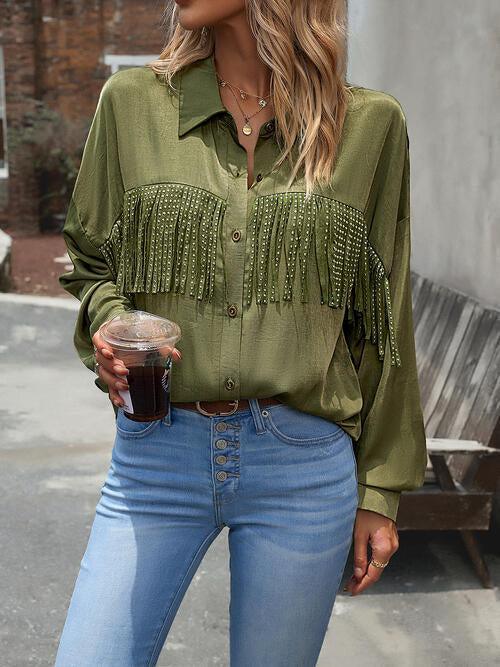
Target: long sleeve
391, 450
93, 208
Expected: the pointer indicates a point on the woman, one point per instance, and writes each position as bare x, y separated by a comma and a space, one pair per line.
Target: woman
241, 188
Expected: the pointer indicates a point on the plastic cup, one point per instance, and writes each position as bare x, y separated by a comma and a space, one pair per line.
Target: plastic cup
144, 342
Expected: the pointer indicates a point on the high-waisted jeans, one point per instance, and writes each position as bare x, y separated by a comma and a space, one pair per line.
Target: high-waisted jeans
283, 481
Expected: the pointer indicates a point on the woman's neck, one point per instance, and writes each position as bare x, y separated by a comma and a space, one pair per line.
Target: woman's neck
236, 57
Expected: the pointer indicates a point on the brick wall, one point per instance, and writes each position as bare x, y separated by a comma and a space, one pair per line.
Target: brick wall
17, 37
54, 52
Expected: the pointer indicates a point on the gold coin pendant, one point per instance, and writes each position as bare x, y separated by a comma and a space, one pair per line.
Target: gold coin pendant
246, 129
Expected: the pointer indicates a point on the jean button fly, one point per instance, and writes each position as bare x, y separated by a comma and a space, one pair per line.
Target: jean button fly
221, 426
220, 444
221, 475
220, 459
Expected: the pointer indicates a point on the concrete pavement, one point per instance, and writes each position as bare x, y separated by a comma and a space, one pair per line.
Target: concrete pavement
57, 432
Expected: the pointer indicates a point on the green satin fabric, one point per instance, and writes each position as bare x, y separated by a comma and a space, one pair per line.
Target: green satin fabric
162, 188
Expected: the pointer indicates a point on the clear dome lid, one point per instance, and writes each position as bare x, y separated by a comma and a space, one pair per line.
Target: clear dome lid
140, 330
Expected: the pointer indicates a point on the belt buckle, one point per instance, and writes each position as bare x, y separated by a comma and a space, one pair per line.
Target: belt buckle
215, 414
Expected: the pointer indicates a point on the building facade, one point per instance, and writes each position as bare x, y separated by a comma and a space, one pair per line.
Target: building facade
442, 61
54, 58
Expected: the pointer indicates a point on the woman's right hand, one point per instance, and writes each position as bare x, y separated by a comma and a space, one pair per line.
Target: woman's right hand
112, 371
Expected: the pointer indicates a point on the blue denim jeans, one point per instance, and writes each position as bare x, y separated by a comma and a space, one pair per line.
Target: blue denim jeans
283, 481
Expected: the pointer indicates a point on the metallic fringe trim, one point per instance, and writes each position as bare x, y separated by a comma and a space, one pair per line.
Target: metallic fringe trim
166, 240
371, 299
290, 226
286, 228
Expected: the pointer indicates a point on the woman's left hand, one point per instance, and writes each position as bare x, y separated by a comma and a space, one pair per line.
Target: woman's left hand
380, 533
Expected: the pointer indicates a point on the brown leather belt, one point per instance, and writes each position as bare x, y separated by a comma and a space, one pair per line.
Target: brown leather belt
216, 408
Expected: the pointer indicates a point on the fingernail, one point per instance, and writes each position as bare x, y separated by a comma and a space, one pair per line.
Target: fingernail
358, 572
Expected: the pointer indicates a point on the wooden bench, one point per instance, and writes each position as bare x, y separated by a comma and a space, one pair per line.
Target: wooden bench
458, 356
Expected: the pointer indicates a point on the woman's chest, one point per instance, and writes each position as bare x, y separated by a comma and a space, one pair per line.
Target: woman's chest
190, 224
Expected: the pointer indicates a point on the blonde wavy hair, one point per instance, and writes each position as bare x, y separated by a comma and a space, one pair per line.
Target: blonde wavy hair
304, 43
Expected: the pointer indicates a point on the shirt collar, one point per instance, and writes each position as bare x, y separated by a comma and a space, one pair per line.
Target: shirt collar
199, 97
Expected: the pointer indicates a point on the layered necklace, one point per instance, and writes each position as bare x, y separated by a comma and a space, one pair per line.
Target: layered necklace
246, 128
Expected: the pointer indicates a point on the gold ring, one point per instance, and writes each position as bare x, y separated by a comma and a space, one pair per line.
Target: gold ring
377, 563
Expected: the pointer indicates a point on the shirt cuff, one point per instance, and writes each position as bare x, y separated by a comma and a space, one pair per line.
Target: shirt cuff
378, 500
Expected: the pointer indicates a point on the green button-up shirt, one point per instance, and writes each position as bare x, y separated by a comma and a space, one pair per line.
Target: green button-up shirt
277, 294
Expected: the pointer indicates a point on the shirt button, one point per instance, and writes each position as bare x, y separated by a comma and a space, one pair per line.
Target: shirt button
221, 426
236, 235
229, 384
221, 475
220, 444
232, 310
220, 459
259, 177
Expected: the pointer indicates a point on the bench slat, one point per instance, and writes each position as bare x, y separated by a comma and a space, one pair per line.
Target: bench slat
457, 343
460, 318
460, 376
454, 446
473, 410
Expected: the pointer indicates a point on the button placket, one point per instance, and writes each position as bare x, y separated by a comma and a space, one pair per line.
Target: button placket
235, 220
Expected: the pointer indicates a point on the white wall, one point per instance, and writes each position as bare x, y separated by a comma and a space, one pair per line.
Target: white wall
441, 60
